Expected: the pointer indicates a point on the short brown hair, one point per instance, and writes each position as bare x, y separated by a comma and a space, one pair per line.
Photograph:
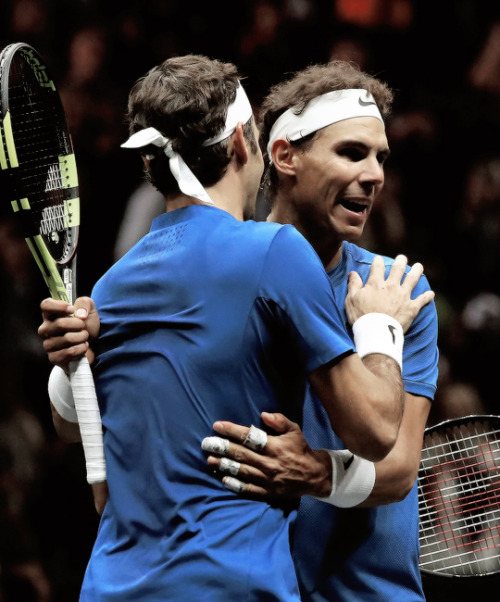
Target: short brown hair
304, 86
186, 98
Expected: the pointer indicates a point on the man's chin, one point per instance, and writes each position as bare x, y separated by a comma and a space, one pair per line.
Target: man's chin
352, 234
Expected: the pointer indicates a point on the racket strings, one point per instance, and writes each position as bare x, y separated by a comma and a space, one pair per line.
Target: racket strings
37, 144
41, 140
459, 500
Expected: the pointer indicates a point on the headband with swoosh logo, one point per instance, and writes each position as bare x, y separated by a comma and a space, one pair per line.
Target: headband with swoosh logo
321, 112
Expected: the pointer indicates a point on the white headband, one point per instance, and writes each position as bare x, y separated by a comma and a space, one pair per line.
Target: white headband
239, 111
321, 112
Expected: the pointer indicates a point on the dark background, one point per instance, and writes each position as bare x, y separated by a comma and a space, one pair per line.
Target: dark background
440, 206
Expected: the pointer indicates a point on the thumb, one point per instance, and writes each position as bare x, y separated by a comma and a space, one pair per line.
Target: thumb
279, 423
86, 310
83, 307
354, 282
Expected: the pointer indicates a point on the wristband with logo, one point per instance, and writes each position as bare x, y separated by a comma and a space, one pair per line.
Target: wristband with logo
379, 333
353, 479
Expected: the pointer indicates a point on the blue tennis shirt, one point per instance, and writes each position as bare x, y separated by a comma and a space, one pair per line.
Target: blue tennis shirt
205, 318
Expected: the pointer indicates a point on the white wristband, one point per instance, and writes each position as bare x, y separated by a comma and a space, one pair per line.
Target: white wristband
379, 333
353, 479
61, 395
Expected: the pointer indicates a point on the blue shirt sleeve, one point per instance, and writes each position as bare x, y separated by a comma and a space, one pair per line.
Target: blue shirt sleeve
420, 351
294, 278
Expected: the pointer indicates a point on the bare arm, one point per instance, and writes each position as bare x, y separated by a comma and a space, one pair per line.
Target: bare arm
367, 403
397, 472
288, 468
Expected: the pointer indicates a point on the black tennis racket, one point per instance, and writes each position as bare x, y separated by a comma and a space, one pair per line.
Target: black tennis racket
459, 498
38, 176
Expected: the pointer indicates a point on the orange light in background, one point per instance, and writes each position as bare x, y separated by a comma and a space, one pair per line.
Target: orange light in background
375, 13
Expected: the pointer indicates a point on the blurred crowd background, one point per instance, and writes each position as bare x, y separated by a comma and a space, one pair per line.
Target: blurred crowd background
440, 206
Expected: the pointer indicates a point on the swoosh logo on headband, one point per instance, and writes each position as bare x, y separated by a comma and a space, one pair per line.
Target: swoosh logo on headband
364, 103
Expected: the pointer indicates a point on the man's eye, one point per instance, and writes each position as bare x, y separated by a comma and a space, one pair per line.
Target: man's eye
353, 154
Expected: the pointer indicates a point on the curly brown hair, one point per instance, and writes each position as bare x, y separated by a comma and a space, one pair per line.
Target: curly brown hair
186, 98
304, 86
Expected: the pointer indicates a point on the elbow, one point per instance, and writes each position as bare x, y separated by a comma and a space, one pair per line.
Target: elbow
382, 444
374, 445
402, 483
406, 485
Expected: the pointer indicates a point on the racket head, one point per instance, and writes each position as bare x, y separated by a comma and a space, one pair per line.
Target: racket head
37, 165
459, 498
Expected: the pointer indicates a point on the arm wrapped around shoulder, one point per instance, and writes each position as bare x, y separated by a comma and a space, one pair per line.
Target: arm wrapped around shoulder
353, 479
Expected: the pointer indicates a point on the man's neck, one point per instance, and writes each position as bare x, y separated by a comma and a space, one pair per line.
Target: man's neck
225, 195
329, 250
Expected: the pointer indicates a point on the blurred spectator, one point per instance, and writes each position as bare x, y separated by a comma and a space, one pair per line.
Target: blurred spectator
454, 397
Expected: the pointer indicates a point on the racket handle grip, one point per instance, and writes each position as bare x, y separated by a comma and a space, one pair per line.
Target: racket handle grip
89, 419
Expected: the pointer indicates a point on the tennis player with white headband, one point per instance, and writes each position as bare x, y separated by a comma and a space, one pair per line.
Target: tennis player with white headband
203, 318
338, 105
326, 140
238, 111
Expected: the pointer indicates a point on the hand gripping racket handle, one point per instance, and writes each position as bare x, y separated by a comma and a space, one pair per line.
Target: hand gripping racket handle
89, 419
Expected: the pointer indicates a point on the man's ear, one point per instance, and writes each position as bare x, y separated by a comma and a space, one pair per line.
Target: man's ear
283, 154
240, 144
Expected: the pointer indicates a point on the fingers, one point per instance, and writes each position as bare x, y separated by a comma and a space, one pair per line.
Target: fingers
54, 308
279, 423
233, 451
229, 429
242, 468
63, 353
64, 336
60, 326
354, 283
397, 270
247, 465
377, 270
423, 299
413, 276
247, 489
280, 470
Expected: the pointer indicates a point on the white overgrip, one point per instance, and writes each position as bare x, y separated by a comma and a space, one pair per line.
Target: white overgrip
89, 419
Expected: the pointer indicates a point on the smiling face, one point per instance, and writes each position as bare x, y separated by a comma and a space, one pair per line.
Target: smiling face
334, 184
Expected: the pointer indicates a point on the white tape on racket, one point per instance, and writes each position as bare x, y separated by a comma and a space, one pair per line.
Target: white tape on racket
89, 419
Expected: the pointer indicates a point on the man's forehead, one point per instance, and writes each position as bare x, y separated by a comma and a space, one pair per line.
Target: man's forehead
366, 130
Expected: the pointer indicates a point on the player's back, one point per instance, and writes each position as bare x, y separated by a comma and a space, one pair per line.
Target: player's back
197, 324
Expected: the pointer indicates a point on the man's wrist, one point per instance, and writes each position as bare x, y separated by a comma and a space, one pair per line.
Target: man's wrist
353, 479
322, 485
379, 333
